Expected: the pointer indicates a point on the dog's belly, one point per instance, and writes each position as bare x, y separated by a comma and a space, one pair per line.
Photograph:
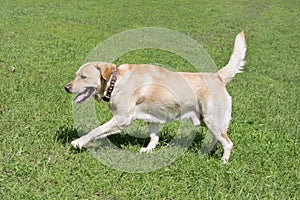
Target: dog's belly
162, 115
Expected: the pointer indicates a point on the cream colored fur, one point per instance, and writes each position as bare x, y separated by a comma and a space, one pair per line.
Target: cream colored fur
157, 95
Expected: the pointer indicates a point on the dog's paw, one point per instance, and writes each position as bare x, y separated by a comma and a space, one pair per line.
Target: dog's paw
76, 144
224, 160
145, 150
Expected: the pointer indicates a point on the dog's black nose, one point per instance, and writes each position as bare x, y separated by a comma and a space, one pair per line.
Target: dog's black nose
68, 88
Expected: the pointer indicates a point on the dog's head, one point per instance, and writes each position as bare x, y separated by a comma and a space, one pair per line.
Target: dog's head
91, 80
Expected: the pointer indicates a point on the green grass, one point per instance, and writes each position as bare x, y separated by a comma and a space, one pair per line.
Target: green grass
48, 41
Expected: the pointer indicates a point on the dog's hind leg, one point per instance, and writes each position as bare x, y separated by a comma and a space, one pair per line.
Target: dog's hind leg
219, 130
213, 146
153, 129
220, 135
216, 116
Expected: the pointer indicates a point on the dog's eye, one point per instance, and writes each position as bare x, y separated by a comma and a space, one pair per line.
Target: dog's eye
83, 77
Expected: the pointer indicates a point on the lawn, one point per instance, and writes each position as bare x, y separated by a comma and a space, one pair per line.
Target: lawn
46, 41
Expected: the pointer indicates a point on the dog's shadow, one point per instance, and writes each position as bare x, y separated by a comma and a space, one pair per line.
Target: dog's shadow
65, 135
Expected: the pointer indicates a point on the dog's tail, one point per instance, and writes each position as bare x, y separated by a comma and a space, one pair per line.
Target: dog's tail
237, 60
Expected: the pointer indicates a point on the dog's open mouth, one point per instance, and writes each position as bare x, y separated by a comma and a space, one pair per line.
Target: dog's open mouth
84, 95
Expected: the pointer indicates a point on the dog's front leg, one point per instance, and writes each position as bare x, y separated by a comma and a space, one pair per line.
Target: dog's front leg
115, 125
153, 129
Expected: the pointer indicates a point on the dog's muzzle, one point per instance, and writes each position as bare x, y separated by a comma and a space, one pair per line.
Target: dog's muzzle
68, 88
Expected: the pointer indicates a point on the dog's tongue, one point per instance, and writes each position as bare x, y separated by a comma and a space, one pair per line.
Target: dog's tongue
84, 95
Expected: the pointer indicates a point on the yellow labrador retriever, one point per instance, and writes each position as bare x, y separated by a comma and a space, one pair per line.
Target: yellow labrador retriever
157, 95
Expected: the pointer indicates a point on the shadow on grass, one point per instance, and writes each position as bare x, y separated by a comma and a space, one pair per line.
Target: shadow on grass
127, 140
65, 135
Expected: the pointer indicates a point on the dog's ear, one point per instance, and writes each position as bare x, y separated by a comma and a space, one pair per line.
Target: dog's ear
106, 70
